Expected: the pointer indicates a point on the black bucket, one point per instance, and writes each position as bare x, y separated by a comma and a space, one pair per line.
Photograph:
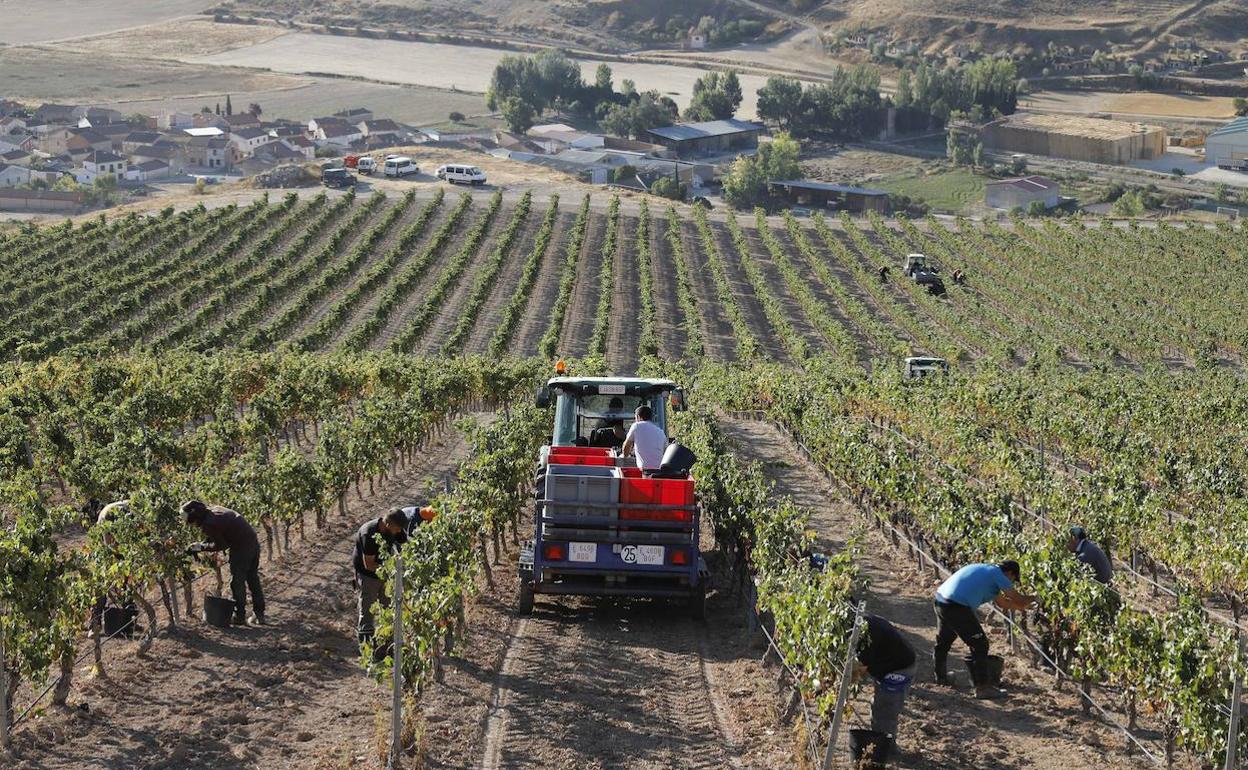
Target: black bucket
869, 749
218, 611
996, 669
119, 621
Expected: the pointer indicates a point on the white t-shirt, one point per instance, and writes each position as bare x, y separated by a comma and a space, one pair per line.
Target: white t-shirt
649, 443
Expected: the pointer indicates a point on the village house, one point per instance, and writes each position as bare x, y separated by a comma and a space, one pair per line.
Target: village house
54, 114
302, 145
136, 139
333, 131
210, 152
148, 171
246, 141
101, 163
355, 115
175, 119
12, 176
382, 129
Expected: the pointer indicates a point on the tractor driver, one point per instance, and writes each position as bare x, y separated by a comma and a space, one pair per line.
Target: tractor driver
612, 434
645, 440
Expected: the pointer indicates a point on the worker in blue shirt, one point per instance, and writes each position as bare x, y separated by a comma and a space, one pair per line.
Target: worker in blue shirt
957, 599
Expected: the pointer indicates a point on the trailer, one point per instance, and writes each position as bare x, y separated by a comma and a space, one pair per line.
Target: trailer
604, 527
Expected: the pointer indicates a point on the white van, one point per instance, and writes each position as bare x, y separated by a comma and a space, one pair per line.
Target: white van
462, 174
399, 165
366, 165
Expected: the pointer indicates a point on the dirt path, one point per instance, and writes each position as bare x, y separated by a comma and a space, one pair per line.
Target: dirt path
536, 316
1035, 727
492, 311
623, 331
367, 304
447, 318
670, 319
769, 344
578, 327
375, 255
720, 343
287, 695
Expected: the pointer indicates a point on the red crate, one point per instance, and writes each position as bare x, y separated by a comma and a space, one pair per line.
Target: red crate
578, 455
630, 472
656, 492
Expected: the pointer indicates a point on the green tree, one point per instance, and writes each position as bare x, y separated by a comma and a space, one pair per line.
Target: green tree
716, 96
668, 187
649, 110
1130, 204
1037, 209
518, 114
780, 101
1240, 104
602, 78
229, 106
778, 158
745, 184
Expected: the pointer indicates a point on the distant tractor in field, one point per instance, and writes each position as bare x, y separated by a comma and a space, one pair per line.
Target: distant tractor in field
918, 367
925, 273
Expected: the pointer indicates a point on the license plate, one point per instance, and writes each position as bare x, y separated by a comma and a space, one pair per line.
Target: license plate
642, 554
611, 390
583, 552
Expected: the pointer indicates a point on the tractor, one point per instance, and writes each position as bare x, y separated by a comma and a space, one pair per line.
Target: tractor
925, 273
604, 527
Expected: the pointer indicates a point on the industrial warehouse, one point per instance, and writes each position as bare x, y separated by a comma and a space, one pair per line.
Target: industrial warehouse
1074, 138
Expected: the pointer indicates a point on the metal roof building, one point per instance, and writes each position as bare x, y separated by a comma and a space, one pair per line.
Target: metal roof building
709, 137
1228, 146
829, 195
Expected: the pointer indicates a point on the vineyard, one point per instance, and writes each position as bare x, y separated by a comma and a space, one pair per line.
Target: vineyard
294, 359
463, 275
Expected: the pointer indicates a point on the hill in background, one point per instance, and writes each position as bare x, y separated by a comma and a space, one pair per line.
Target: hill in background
936, 26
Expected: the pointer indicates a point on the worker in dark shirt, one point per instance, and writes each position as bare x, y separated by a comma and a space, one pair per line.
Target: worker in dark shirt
392, 531
1089, 553
890, 660
226, 530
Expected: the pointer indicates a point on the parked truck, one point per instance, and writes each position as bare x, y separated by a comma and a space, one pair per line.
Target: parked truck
603, 527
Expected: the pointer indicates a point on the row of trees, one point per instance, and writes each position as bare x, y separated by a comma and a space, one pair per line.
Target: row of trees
979, 90
849, 106
523, 87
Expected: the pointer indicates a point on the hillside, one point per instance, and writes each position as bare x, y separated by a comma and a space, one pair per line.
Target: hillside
622, 25
606, 25
1003, 24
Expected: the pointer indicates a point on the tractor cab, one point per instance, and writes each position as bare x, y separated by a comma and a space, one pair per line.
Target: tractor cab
918, 367
587, 408
923, 271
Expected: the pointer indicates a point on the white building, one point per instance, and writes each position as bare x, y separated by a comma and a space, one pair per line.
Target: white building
247, 140
1228, 146
1022, 192
101, 163
12, 176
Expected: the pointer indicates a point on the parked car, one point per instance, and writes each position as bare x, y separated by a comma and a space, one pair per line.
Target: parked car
399, 165
337, 177
366, 165
462, 174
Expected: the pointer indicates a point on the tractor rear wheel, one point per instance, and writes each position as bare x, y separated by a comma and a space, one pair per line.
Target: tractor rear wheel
525, 604
697, 604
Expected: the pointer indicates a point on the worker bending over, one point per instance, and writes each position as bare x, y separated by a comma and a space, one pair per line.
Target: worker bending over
227, 530
390, 531
1089, 553
646, 440
891, 663
957, 599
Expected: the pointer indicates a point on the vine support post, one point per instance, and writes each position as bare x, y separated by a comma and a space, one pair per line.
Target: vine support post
846, 674
1232, 732
396, 703
4, 693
